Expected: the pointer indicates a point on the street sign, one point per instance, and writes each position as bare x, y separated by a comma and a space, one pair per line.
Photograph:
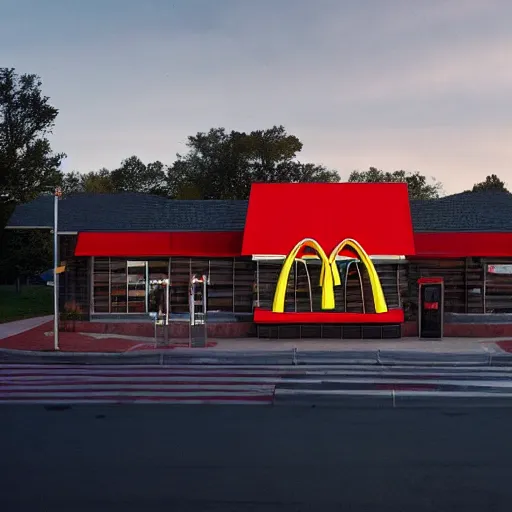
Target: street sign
499, 269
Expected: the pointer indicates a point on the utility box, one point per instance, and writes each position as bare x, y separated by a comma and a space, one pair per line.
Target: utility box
431, 307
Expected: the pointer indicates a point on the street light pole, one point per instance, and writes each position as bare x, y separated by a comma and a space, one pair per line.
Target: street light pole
57, 196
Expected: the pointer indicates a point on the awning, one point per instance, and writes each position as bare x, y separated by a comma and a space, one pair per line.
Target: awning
462, 245
376, 215
124, 244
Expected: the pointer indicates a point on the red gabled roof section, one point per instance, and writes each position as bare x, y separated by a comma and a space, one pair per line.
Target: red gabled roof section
377, 215
462, 245
146, 244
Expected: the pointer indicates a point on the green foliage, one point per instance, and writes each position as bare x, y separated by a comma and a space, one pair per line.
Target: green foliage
32, 301
491, 182
28, 168
135, 176
99, 182
420, 187
72, 311
221, 165
24, 253
27, 164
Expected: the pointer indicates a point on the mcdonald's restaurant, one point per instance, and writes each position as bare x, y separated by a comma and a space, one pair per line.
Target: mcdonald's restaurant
342, 261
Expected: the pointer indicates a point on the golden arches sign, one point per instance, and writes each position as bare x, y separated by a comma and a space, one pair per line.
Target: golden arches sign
329, 275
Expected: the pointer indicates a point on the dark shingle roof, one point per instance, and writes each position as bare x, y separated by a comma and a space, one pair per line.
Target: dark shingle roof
488, 211
481, 211
131, 212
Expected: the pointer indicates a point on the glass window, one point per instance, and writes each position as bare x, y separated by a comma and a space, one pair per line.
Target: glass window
498, 288
245, 277
140, 286
158, 283
220, 290
136, 286
119, 289
101, 285
180, 279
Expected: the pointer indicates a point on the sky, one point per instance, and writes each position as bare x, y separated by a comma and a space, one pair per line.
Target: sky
394, 84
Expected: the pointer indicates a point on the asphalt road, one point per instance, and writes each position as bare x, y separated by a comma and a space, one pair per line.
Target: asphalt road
216, 458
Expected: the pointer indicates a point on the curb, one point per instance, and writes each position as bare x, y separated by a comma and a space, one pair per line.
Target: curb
287, 357
390, 399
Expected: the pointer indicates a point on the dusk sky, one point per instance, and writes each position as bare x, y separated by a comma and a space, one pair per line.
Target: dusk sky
395, 84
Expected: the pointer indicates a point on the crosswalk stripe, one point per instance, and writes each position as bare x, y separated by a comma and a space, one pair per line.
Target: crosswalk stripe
141, 384
7, 389
260, 384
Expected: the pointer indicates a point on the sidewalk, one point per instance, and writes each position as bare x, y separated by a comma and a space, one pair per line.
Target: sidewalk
13, 328
36, 335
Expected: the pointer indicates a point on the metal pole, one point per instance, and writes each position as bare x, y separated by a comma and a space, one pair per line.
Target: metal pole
57, 195
205, 307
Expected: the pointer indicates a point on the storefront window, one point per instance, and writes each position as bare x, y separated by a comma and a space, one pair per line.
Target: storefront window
180, 279
119, 286
158, 282
137, 297
101, 285
220, 291
498, 288
244, 283
140, 286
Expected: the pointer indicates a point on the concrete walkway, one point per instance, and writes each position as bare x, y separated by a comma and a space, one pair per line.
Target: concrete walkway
13, 328
34, 335
447, 345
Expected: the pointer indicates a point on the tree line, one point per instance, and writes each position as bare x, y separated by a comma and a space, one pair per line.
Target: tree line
218, 164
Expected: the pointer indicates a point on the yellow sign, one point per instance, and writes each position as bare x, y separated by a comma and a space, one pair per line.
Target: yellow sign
329, 275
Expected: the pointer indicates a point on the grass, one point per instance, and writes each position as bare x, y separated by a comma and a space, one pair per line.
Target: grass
30, 302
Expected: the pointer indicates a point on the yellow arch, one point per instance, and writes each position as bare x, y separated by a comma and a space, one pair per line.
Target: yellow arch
326, 280
378, 294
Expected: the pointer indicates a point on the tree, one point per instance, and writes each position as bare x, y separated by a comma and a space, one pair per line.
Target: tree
99, 182
222, 165
135, 176
491, 182
420, 187
24, 253
28, 167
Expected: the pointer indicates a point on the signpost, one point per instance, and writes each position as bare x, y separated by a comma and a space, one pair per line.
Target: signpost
56, 268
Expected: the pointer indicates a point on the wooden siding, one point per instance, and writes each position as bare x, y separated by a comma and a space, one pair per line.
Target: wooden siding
74, 282
468, 287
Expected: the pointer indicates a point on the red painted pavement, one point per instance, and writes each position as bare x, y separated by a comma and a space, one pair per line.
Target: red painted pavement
505, 345
38, 339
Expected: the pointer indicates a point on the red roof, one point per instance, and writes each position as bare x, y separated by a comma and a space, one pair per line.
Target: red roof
377, 215
213, 244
